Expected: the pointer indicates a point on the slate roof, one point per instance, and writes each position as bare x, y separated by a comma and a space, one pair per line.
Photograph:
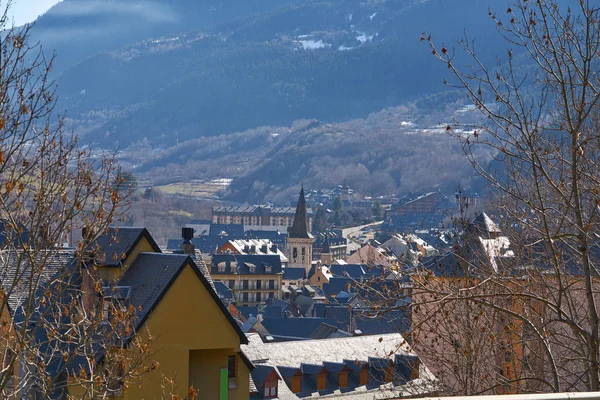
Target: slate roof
114, 245
338, 284
299, 229
311, 369
242, 263
323, 331
235, 230
16, 271
355, 271
151, 275
299, 328
292, 354
294, 274
206, 244
246, 311
304, 304
223, 291
335, 367
483, 223
262, 372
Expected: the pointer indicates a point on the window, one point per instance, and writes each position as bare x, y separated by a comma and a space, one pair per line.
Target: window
270, 390
245, 284
231, 284
231, 367
271, 284
258, 296
258, 284
106, 309
271, 295
245, 296
304, 251
295, 253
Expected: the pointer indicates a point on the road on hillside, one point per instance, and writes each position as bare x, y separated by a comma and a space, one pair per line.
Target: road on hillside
351, 235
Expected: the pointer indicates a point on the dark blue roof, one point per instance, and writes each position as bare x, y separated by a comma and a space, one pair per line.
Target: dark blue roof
311, 369
223, 291
294, 274
206, 244
236, 230
245, 262
396, 321
338, 284
246, 311
335, 367
300, 328
352, 270
275, 237
114, 245
261, 372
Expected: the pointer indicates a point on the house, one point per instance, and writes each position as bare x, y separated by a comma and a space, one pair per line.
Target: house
370, 255
256, 216
427, 203
195, 336
409, 248
195, 340
320, 274
253, 278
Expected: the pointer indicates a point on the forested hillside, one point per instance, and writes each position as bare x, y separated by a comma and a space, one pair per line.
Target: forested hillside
388, 152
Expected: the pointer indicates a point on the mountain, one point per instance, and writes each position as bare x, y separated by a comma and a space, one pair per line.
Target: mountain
174, 70
78, 29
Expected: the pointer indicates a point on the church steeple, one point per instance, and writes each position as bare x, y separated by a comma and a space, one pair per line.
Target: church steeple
299, 240
299, 228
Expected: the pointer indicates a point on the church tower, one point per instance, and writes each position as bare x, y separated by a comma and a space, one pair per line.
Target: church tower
326, 257
299, 238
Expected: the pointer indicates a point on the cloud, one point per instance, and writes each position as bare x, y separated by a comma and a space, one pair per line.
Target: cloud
149, 10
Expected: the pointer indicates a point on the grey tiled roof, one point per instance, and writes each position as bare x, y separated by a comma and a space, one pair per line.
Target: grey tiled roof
149, 276
16, 272
117, 242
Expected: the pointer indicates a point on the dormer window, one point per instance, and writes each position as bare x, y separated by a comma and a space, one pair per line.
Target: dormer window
268, 269
221, 267
252, 269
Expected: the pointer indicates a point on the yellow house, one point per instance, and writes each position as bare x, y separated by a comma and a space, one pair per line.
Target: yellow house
196, 341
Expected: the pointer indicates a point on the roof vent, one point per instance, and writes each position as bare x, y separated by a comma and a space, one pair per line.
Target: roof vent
357, 332
269, 338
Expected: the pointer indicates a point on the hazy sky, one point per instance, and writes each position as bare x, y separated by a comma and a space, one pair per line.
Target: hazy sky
24, 11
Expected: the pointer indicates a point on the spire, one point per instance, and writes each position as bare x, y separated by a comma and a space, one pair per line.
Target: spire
300, 227
326, 248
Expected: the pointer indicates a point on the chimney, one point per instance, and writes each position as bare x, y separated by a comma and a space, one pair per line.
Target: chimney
187, 246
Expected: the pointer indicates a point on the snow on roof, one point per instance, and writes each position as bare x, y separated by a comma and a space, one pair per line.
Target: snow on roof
496, 248
326, 272
484, 222
291, 354
240, 246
